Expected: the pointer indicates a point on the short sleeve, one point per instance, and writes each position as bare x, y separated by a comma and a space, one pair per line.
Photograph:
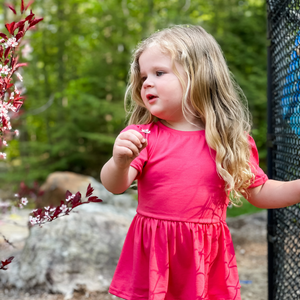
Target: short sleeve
260, 176
139, 162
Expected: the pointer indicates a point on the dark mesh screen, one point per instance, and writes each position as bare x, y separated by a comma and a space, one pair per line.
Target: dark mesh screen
284, 97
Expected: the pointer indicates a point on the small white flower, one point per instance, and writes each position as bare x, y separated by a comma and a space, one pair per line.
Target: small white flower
5, 143
24, 201
17, 91
33, 220
5, 70
53, 209
47, 207
70, 197
64, 208
20, 206
12, 96
146, 131
17, 132
19, 76
16, 195
12, 42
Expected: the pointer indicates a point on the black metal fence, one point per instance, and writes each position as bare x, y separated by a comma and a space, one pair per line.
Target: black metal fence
284, 144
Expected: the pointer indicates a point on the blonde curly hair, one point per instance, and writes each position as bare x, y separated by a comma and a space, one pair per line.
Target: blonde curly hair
209, 93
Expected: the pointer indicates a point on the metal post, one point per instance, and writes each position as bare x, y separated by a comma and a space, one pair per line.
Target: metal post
270, 227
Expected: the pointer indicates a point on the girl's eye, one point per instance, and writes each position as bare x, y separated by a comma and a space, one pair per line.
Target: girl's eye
159, 73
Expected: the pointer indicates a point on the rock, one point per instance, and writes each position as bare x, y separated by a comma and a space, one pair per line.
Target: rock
78, 252
75, 252
58, 183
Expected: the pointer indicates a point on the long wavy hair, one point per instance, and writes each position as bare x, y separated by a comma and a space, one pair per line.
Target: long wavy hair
209, 93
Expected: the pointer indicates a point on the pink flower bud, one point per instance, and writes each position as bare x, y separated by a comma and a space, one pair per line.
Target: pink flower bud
2, 155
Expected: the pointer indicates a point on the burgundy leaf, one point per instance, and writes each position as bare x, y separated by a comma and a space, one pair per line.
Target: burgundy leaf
6, 61
13, 62
19, 35
56, 213
10, 6
22, 6
94, 199
76, 200
9, 260
7, 52
7, 80
9, 85
10, 27
29, 3
6, 262
15, 27
21, 65
4, 122
68, 194
29, 17
18, 102
19, 24
89, 191
21, 28
77, 197
1, 51
37, 212
35, 21
3, 35
17, 106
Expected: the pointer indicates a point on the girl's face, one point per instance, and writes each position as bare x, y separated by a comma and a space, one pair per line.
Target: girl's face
161, 89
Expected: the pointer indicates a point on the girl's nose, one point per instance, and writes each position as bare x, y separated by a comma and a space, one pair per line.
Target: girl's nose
148, 83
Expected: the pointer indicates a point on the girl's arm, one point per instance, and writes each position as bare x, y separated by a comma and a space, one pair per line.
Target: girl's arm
117, 174
275, 194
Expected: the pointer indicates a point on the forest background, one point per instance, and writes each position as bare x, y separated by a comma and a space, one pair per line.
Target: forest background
78, 71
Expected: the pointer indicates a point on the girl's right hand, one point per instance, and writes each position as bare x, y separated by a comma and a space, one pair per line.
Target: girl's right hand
127, 147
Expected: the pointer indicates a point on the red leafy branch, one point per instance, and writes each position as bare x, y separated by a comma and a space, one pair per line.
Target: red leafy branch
48, 214
5, 263
11, 99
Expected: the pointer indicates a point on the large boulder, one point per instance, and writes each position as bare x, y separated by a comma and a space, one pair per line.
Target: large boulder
79, 250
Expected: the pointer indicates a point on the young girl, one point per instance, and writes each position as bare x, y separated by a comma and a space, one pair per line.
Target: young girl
188, 146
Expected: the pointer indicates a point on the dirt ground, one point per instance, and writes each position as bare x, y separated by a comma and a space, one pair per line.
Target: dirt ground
251, 260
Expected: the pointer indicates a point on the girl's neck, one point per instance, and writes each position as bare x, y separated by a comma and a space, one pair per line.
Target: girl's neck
182, 126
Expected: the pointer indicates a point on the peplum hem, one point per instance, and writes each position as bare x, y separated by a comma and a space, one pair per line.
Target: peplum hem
163, 259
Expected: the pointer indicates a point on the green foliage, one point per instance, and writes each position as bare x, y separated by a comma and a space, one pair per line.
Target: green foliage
78, 74
246, 208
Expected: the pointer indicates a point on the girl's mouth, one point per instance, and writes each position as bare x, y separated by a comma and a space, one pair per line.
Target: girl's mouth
150, 97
